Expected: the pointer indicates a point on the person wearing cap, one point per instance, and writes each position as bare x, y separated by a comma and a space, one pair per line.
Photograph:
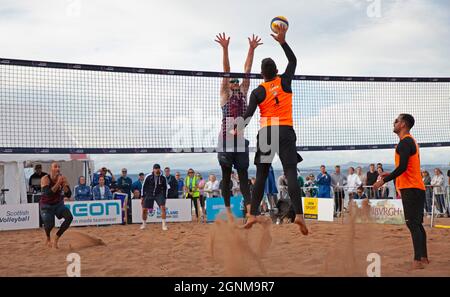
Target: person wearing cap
154, 189
35, 179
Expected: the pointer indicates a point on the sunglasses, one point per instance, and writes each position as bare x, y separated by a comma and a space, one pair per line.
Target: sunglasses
191, 172
234, 81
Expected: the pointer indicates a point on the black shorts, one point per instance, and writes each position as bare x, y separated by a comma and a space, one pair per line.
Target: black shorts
149, 201
237, 158
277, 139
49, 211
413, 201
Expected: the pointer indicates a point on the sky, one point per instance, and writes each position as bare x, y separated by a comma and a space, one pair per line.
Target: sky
329, 37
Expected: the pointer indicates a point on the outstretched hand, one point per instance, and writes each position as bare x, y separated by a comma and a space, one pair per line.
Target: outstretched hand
255, 41
281, 35
222, 40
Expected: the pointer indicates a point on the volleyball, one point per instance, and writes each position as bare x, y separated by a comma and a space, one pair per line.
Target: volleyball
280, 21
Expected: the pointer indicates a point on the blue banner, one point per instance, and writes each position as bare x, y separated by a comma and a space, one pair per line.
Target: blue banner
214, 206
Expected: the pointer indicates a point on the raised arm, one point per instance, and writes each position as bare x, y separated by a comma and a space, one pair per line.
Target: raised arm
224, 89
254, 42
292, 60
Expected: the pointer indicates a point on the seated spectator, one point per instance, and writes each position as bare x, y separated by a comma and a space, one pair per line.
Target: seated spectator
137, 194
103, 172
82, 191
310, 184
212, 188
101, 191
124, 183
360, 193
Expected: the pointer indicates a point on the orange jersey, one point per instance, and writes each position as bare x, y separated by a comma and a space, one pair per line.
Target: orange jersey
411, 178
276, 109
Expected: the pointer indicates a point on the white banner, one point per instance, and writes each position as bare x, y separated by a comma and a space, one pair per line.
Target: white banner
385, 211
19, 216
98, 212
320, 209
177, 210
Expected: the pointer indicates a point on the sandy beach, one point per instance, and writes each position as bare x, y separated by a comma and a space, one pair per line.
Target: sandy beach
222, 249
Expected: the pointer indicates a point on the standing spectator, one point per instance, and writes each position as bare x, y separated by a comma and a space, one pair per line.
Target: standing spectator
137, 185
192, 191
338, 182
310, 185
154, 190
324, 183
235, 189
371, 178
180, 185
101, 191
353, 182
201, 188
212, 188
438, 189
124, 183
383, 191
82, 191
270, 189
283, 187
109, 180
172, 184
360, 193
428, 191
301, 184
35, 179
361, 176
379, 165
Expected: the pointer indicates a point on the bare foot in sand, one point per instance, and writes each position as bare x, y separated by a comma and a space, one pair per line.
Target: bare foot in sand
55, 243
229, 214
424, 260
417, 265
251, 220
48, 242
301, 223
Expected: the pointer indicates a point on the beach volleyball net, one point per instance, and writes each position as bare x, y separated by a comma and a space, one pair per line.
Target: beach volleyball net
51, 107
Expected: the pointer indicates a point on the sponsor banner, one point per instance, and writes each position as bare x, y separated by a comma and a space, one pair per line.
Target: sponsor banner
320, 209
98, 212
385, 211
177, 210
214, 206
19, 216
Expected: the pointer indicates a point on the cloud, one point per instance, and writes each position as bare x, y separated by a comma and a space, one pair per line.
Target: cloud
329, 37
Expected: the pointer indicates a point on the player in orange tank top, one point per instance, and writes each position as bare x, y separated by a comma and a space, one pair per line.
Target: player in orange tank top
408, 181
277, 134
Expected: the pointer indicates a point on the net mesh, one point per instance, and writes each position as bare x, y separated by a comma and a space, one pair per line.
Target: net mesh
57, 107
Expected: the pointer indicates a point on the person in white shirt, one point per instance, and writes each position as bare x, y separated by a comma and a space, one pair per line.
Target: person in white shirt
212, 188
438, 189
353, 182
362, 176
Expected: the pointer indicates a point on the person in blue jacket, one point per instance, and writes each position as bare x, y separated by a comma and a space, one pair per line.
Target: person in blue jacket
137, 185
270, 189
101, 191
324, 183
81, 191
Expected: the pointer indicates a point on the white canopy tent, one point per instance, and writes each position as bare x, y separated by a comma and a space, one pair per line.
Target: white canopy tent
12, 171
